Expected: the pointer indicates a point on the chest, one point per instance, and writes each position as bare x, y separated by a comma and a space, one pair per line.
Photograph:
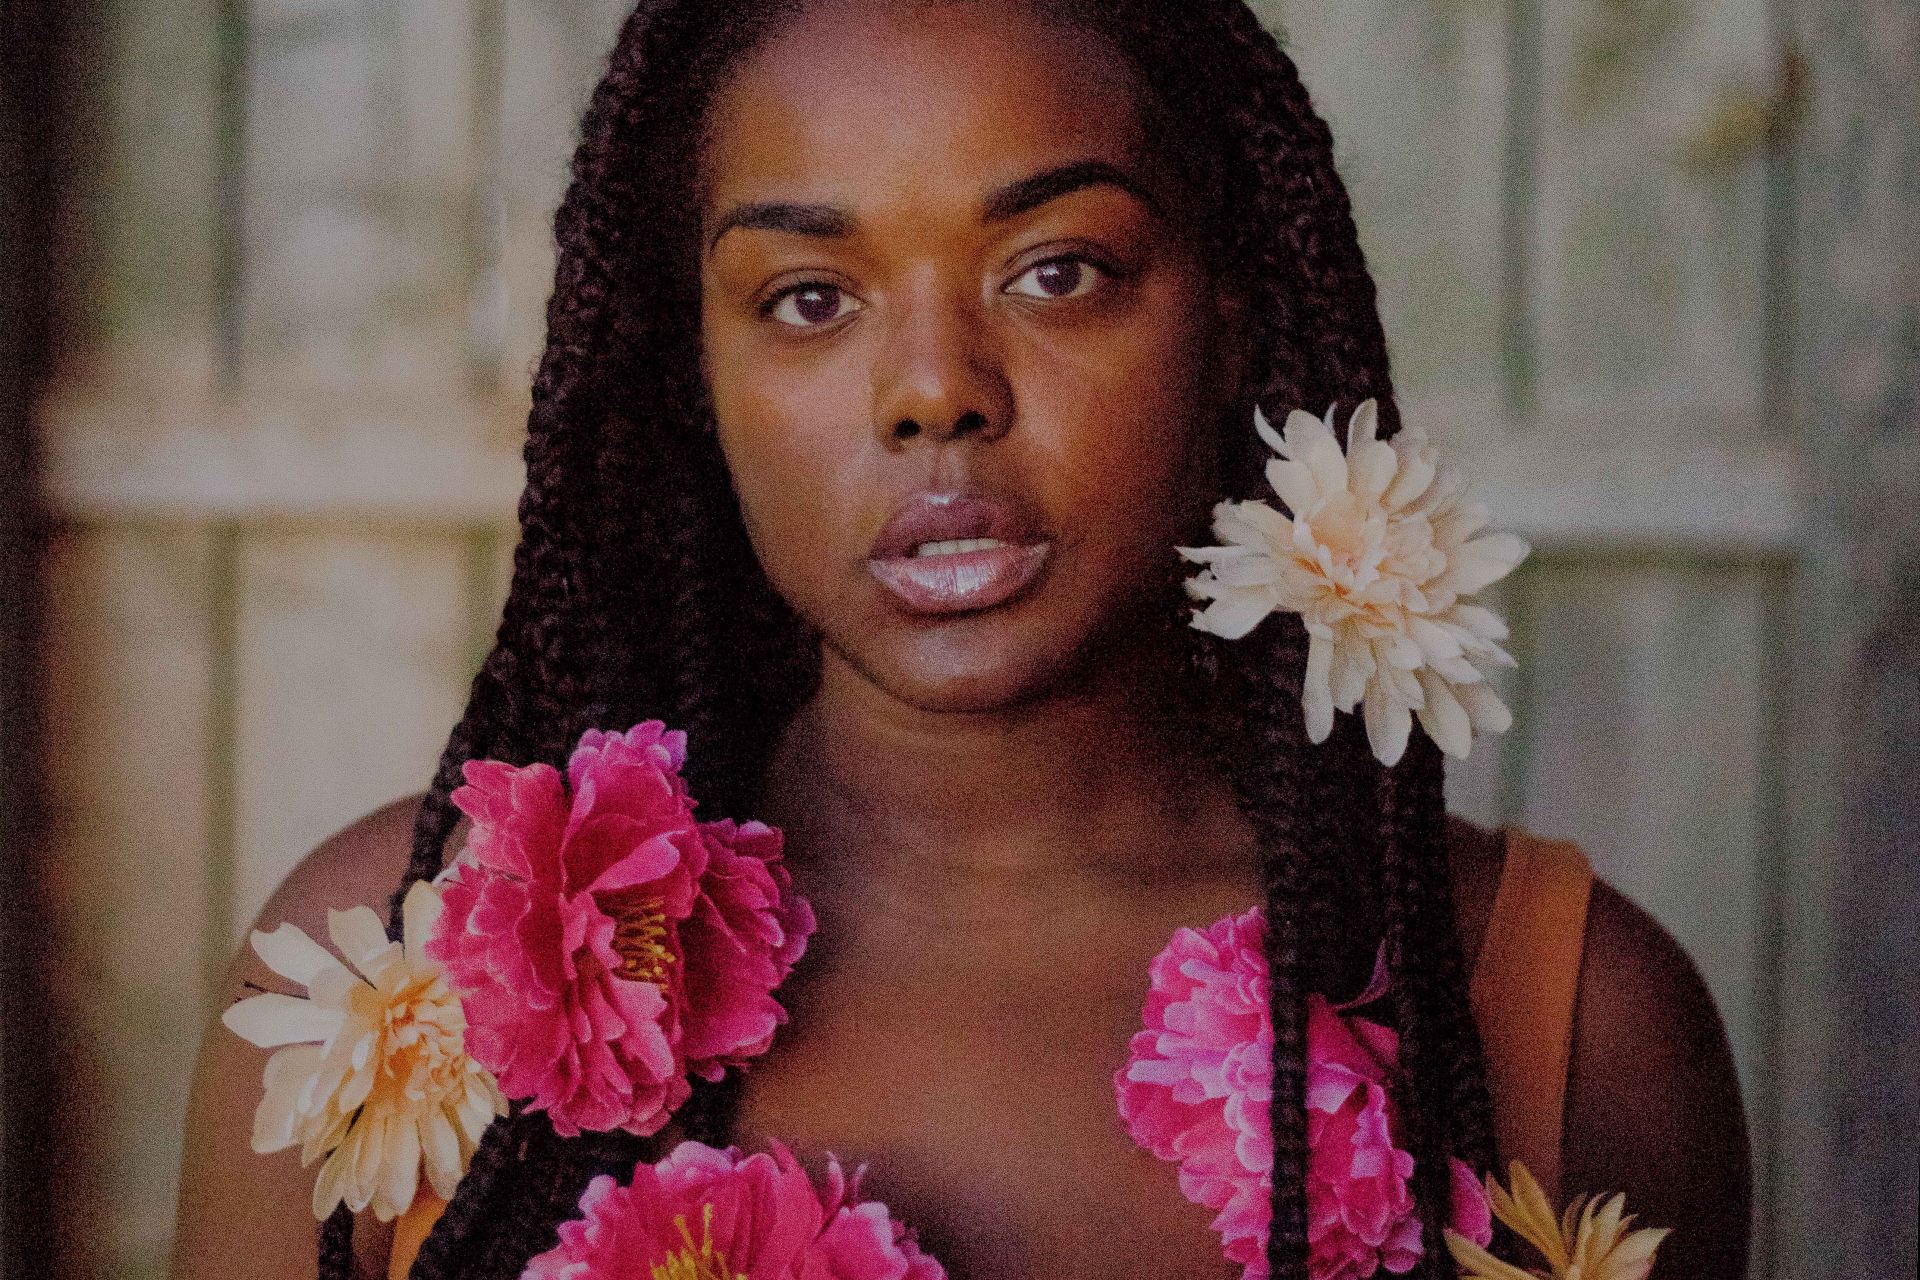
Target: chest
973, 1072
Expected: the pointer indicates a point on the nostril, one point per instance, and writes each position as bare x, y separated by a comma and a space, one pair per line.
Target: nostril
971, 420
906, 429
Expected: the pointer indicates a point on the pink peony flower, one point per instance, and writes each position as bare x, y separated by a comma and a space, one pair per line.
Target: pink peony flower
604, 943
1197, 1089
708, 1214
1472, 1210
747, 929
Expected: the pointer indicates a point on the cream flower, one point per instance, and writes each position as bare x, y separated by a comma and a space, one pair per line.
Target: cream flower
1591, 1240
371, 1068
1377, 557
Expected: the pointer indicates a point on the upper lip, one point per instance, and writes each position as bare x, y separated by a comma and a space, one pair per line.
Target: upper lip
930, 516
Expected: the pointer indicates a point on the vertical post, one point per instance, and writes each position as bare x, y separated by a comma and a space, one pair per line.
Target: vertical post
1519, 340
480, 556
1763, 1105
229, 270
1520, 598
486, 210
222, 751
1777, 231
32, 94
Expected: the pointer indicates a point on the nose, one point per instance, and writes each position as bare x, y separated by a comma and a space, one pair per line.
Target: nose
939, 377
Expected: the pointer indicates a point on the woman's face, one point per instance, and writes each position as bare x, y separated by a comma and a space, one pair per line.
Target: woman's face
963, 354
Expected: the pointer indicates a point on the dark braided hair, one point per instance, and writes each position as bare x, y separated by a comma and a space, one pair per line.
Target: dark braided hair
636, 594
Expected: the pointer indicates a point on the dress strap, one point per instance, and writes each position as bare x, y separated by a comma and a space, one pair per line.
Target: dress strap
1522, 992
410, 1232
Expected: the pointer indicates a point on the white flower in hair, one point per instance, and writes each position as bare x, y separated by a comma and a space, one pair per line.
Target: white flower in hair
1377, 556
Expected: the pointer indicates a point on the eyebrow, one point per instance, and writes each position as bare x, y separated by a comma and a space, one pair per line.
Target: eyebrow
1010, 201
824, 220
1020, 196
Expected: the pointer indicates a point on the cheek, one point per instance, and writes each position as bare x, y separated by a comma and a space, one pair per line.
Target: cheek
791, 456
1132, 432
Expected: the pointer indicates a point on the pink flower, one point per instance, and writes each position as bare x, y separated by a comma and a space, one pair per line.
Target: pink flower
1472, 1210
708, 1214
603, 942
1359, 1206
1197, 1089
747, 929
1206, 1049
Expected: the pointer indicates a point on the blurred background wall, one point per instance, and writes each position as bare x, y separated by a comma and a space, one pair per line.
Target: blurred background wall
1649, 264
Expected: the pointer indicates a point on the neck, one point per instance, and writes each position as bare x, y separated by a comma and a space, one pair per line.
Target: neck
1081, 781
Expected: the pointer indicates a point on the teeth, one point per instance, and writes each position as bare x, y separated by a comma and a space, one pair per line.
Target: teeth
954, 546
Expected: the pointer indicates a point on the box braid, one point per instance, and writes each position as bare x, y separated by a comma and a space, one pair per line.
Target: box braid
636, 594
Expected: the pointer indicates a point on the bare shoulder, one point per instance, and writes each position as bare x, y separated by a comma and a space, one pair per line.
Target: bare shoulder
241, 1213
1653, 1100
1653, 1105
361, 864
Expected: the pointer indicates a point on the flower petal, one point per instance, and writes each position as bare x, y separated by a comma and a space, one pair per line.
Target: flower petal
1247, 571
1294, 483
1316, 697
1353, 666
419, 913
1415, 474
1372, 469
1477, 1264
1363, 424
440, 1149
1327, 463
1265, 431
278, 1114
368, 1141
1303, 432
1254, 525
1485, 710
359, 936
1389, 722
1526, 1211
398, 1177
289, 952
1478, 619
273, 1019
1486, 559
330, 1188
1233, 616
1444, 719
1632, 1258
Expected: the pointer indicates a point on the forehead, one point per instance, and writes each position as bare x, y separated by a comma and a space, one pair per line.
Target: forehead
856, 100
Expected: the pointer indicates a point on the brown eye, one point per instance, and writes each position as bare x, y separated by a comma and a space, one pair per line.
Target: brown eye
1058, 278
810, 305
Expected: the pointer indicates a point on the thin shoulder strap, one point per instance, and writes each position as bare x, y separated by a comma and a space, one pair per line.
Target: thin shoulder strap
1522, 993
410, 1232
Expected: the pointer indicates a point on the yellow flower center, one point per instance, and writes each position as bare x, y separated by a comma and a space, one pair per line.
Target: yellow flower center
699, 1260
421, 1053
1341, 527
639, 935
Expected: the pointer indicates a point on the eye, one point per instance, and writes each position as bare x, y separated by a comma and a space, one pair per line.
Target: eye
1058, 278
810, 305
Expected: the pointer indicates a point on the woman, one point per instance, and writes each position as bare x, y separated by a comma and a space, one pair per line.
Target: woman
843, 281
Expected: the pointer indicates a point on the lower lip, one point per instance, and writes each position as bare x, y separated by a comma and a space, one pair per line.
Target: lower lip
959, 583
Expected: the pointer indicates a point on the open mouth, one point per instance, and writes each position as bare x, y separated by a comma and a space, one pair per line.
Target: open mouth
946, 553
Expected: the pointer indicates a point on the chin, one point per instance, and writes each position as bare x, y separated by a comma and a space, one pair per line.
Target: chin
981, 663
